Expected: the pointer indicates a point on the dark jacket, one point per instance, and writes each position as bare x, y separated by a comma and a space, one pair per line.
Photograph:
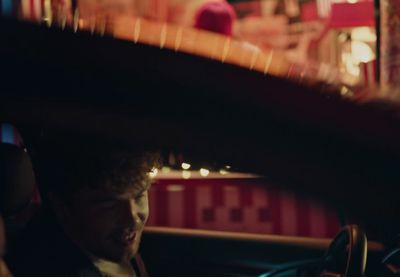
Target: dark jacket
44, 250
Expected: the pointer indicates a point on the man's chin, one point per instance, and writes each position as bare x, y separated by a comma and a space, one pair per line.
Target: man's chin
129, 253
117, 252
125, 253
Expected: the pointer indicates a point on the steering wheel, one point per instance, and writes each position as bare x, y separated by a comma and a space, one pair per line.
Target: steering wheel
347, 254
345, 257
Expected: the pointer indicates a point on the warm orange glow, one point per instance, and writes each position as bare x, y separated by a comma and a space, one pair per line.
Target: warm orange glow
185, 166
136, 34
186, 174
48, 14
163, 36
223, 172
361, 52
268, 62
204, 172
153, 173
225, 52
201, 43
178, 39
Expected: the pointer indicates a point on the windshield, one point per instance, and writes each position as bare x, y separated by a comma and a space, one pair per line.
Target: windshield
314, 40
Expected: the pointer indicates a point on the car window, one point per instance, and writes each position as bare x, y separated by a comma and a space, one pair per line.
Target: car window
235, 202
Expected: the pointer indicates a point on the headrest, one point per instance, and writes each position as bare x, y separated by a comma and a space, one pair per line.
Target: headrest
16, 178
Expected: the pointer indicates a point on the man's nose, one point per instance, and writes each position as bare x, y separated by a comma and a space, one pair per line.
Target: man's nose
132, 213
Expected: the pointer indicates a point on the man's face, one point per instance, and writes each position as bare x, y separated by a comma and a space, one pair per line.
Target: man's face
4, 272
107, 224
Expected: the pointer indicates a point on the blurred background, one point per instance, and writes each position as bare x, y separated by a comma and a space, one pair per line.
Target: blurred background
335, 39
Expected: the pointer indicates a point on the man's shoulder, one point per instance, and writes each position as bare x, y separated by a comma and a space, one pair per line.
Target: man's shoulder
43, 250
50, 261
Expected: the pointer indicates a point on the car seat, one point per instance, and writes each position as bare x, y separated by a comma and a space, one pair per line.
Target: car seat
17, 181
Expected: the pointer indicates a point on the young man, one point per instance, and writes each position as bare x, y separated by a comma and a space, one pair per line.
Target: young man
4, 272
95, 208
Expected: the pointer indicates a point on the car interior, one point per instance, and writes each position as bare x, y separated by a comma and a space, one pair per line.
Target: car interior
73, 86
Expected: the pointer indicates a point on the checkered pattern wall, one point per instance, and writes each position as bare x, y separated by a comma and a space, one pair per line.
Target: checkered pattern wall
240, 205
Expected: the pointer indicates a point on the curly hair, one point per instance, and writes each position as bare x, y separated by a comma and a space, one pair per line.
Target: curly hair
66, 170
